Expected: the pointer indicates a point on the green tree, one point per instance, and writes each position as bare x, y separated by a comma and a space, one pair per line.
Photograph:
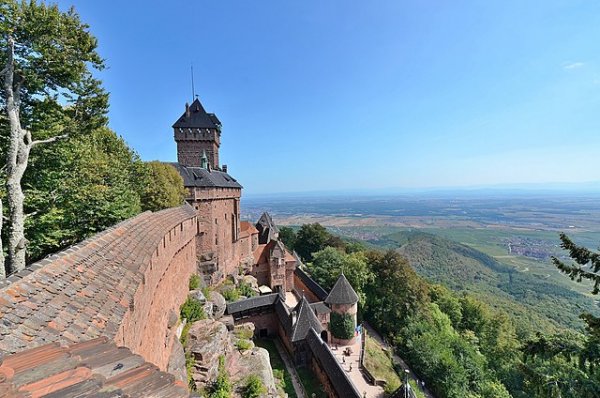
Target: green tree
164, 187
48, 93
288, 236
78, 187
329, 263
310, 239
395, 293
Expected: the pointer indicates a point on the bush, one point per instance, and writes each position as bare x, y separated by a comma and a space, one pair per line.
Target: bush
194, 282
243, 344
221, 388
192, 310
341, 326
243, 333
246, 290
254, 387
231, 294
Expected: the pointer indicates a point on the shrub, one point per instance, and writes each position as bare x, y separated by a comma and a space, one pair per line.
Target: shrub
243, 344
192, 310
254, 387
222, 387
341, 326
194, 282
243, 333
231, 294
246, 290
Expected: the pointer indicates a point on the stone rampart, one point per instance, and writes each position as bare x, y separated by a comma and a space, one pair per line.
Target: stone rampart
126, 283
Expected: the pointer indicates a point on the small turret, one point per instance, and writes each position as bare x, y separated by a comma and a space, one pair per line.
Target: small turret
204, 160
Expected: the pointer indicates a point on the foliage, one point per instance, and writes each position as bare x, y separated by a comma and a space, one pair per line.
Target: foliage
189, 369
254, 387
243, 344
530, 299
194, 282
79, 187
221, 388
341, 325
310, 239
163, 187
310, 382
280, 372
246, 290
48, 93
192, 310
380, 365
330, 262
231, 294
587, 263
243, 333
288, 236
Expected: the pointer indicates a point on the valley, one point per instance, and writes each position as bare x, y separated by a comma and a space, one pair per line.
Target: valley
496, 247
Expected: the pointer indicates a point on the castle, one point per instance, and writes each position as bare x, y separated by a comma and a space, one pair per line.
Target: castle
102, 317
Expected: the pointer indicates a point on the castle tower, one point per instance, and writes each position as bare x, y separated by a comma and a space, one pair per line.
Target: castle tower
197, 132
212, 192
343, 300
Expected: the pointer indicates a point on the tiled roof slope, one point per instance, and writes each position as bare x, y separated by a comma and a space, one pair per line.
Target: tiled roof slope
198, 118
340, 381
311, 284
82, 292
202, 178
305, 321
252, 303
94, 368
342, 292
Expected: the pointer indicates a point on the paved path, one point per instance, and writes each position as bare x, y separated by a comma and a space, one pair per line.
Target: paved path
350, 365
287, 361
373, 333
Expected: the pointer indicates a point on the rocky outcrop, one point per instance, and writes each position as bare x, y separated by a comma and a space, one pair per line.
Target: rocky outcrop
219, 304
207, 340
176, 364
251, 362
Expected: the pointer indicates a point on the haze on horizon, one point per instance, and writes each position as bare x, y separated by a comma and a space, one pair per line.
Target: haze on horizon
345, 95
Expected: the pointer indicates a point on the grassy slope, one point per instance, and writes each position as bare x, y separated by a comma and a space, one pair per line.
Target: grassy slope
530, 298
278, 365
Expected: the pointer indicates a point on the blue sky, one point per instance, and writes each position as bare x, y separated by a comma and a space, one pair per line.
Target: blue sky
328, 95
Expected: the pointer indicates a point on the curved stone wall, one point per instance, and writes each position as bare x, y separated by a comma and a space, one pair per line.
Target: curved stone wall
123, 283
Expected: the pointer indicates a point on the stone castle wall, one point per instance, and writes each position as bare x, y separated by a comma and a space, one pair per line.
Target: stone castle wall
126, 283
191, 143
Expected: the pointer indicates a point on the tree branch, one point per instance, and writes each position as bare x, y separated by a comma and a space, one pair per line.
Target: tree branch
49, 140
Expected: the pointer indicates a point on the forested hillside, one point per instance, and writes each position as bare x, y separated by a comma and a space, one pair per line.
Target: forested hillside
460, 345
530, 300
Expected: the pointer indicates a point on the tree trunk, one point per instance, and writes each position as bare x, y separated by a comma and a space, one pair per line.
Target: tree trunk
2, 270
17, 157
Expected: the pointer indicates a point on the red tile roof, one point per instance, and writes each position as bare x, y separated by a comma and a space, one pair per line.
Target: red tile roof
82, 292
93, 368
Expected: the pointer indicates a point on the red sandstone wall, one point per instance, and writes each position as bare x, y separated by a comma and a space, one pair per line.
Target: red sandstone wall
162, 290
219, 213
303, 289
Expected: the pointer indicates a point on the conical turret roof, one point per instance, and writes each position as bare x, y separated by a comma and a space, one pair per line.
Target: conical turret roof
342, 292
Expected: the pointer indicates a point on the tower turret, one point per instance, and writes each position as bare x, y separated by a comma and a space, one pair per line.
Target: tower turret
197, 132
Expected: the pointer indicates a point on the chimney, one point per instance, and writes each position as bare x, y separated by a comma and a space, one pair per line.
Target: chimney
224, 167
187, 110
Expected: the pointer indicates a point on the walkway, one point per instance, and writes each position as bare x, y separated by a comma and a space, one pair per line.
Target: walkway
373, 333
287, 361
350, 365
